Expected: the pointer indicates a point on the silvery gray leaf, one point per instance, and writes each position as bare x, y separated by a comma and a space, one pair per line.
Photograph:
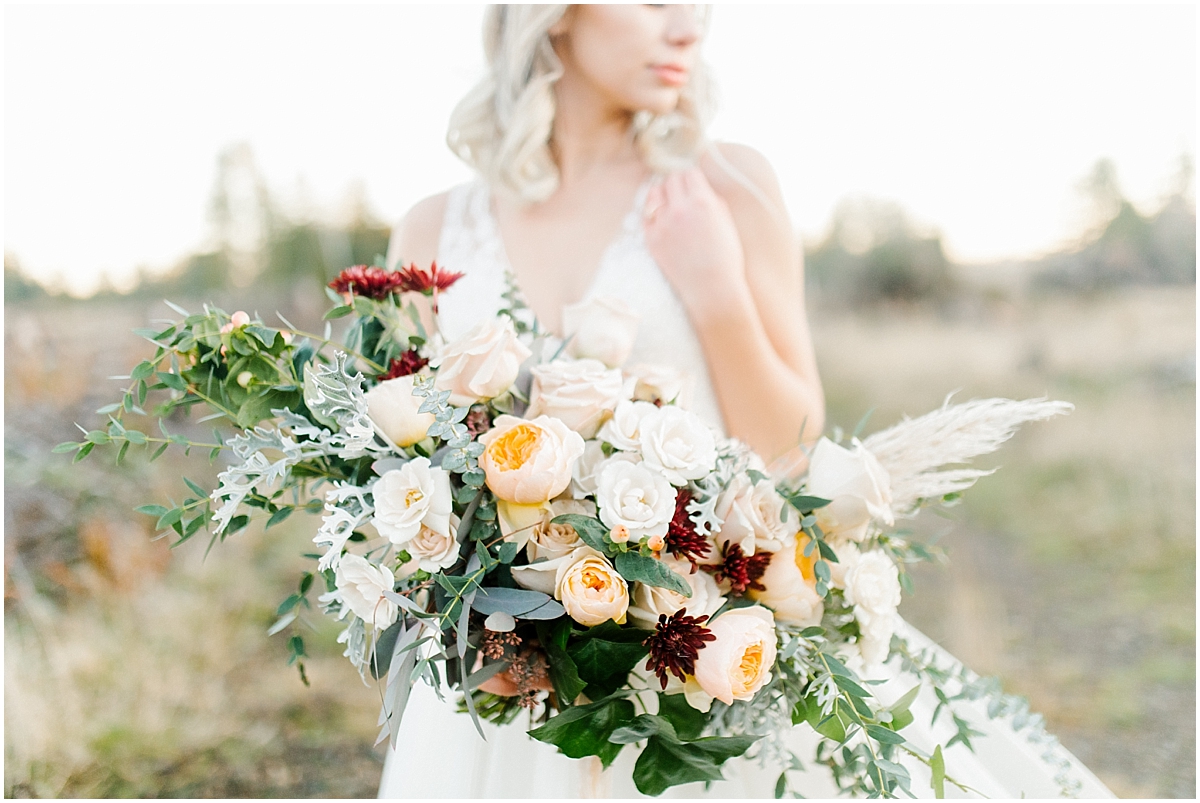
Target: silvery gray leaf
513, 601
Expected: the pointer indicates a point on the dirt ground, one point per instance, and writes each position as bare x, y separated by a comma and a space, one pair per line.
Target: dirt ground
134, 670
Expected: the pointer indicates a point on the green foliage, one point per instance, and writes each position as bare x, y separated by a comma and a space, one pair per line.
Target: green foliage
585, 730
604, 655
669, 759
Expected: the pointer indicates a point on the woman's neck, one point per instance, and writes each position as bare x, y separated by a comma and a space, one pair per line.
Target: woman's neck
590, 134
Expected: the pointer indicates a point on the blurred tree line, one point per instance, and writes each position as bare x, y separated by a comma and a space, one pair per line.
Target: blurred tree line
873, 251
256, 248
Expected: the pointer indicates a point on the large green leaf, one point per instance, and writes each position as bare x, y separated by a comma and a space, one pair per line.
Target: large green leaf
687, 721
605, 654
583, 730
633, 566
563, 674
669, 760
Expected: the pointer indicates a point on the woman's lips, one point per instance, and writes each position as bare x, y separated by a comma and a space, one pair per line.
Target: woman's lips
671, 74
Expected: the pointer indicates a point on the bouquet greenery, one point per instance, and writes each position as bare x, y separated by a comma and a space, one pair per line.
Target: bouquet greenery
544, 531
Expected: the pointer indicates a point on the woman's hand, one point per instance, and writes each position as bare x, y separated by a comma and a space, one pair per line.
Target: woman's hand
692, 236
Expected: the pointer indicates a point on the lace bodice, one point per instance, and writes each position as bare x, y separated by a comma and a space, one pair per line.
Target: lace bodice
470, 242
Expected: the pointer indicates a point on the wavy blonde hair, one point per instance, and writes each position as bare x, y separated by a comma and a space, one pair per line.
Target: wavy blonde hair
502, 127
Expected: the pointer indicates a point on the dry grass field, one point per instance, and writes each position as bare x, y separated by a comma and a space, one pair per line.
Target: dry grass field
134, 670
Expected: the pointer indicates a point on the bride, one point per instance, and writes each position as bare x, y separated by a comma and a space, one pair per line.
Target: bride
596, 180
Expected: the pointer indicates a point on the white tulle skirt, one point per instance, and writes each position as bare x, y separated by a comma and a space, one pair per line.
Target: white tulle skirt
439, 754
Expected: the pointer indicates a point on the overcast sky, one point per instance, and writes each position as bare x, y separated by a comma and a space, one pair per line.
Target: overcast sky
980, 120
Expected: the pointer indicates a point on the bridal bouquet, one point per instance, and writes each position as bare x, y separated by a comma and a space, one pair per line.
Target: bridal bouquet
546, 531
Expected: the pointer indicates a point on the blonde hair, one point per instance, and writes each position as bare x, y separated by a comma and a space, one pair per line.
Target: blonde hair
502, 127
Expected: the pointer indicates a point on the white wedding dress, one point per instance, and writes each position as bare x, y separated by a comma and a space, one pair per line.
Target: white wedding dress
438, 752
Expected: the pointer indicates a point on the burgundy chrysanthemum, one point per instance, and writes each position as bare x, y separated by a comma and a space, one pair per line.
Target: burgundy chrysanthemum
682, 539
742, 572
415, 280
368, 281
675, 645
407, 363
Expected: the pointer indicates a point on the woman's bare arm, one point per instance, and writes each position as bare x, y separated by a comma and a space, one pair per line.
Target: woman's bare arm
730, 253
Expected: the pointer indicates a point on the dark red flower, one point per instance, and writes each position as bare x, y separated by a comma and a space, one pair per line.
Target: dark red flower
742, 572
478, 421
415, 280
675, 645
407, 363
682, 539
371, 282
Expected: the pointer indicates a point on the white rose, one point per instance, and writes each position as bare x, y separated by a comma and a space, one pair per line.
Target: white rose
623, 430
872, 583
393, 407
481, 365
834, 472
602, 328
751, 516
650, 601
587, 468
580, 393
845, 518
738, 663
360, 585
413, 496
661, 383
790, 584
591, 590
677, 444
875, 637
632, 496
435, 550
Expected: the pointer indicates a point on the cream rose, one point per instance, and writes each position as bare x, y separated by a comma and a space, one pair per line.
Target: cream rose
481, 365
393, 407
602, 328
835, 472
580, 393
738, 663
751, 516
591, 590
549, 540
661, 383
845, 518
677, 444
529, 462
790, 584
360, 586
650, 601
413, 496
435, 550
623, 430
632, 496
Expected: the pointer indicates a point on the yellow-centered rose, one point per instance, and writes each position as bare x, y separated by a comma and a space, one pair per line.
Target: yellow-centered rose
529, 462
590, 588
738, 663
790, 581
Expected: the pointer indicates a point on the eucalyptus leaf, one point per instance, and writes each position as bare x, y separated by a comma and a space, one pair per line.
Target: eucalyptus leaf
591, 530
636, 567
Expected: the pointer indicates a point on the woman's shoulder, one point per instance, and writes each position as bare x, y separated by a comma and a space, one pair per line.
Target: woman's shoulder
416, 237
745, 180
